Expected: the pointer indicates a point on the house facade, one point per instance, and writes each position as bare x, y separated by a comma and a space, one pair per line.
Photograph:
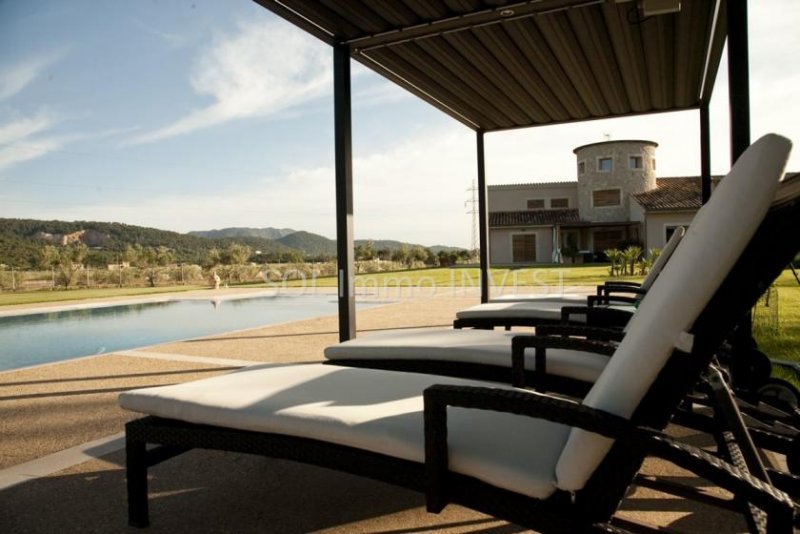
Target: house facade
616, 199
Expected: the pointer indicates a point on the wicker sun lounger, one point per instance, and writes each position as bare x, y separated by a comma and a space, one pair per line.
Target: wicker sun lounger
613, 304
540, 461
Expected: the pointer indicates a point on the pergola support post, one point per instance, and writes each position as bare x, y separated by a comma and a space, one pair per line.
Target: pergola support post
705, 154
738, 78
483, 220
742, 340
345, 254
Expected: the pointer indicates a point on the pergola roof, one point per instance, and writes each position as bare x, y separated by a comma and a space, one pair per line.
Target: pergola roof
495, 64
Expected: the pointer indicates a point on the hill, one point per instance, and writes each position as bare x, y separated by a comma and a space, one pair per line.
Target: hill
22, 239
264, 233
311, 244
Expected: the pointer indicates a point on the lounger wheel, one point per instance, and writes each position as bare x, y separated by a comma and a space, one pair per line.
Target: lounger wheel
780, 393
750, 370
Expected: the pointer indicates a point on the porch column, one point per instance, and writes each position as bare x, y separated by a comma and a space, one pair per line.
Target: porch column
738, 78
483, 220
742, 340
705, 154
344, 192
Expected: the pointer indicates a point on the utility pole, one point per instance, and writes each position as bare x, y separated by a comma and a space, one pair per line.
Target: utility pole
472, 203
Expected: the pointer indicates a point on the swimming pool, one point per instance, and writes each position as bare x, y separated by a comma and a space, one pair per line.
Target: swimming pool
61, 335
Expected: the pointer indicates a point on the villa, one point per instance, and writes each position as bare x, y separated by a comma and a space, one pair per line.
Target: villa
616, 199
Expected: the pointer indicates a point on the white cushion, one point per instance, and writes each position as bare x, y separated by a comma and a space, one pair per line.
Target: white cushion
663, 258
716, 238
378, 411
544, 310
486, 347
568, 299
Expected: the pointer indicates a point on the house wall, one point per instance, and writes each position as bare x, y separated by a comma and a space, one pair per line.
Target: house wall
515, 197
627, 180
656, 223
500, 252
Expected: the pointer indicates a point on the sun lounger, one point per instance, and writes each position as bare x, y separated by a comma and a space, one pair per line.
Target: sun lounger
617, 298
540, 461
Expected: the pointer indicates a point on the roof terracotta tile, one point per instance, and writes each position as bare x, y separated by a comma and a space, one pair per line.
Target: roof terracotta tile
679, 193
533, 217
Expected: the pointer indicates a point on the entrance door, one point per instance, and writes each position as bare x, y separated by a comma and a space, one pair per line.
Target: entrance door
523, 248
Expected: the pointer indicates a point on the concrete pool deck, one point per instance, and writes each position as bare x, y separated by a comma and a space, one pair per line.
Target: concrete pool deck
62, 469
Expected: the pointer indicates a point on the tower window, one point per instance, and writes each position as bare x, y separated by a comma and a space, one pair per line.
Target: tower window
635, 162
605, 164
604, 198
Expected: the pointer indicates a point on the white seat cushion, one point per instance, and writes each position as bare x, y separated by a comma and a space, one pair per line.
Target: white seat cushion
486, 347
567, 299
378, 411
544, 310
716, 238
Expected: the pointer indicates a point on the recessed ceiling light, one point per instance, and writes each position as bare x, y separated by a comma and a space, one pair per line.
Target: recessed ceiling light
506, 12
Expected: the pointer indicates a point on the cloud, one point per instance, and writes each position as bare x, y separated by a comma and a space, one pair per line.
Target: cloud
12, 155
19, 142
14, 79
25, 127
262, 69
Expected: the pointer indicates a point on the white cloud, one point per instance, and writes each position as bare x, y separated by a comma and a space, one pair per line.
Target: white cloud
25, 127
12, 155
264, 68
15, 78
19, 141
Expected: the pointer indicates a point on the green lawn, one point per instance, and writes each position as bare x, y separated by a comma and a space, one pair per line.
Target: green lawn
783, 342
36, 297
469, 277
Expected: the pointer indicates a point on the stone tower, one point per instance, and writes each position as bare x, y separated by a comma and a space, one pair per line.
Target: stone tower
608, 173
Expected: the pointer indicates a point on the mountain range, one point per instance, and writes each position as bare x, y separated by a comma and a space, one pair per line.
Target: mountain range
22, 239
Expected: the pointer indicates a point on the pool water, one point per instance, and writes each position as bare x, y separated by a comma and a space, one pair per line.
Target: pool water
50, 337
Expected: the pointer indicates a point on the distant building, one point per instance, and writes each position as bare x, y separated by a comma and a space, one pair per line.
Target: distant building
616, 199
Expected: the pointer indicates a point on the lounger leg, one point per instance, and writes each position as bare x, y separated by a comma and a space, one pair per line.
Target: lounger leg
136, 461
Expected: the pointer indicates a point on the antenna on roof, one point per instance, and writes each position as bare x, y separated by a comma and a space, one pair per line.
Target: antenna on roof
606, 136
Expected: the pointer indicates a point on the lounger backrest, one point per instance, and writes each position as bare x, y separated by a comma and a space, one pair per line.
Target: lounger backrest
716, 238
663, 258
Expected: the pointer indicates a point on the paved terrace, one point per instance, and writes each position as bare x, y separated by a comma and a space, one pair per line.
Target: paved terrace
61, 456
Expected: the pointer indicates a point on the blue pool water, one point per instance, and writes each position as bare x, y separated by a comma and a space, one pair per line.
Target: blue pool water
49, 337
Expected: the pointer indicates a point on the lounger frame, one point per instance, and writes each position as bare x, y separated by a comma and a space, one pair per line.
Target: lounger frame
768, 253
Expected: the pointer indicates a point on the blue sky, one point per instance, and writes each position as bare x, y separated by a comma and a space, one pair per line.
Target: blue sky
190, 115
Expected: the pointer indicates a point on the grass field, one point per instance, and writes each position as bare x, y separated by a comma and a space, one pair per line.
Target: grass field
588, 275
37, 297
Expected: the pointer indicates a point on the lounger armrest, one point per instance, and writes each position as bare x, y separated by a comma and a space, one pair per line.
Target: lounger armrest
616, 289
597, 316
777, 505
594, 333
541, 344
616, 283
606, 300
438, 397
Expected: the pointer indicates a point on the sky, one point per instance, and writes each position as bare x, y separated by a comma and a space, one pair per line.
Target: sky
198, 114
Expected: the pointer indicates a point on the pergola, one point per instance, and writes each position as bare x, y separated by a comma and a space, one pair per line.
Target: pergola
495, 65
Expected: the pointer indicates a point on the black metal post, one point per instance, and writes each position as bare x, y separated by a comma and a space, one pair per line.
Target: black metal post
344, 192
742, 340
705, 154
483, 220
738, 78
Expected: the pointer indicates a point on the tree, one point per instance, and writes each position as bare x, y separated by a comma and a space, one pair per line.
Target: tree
65, 261
151, 260
234, 257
